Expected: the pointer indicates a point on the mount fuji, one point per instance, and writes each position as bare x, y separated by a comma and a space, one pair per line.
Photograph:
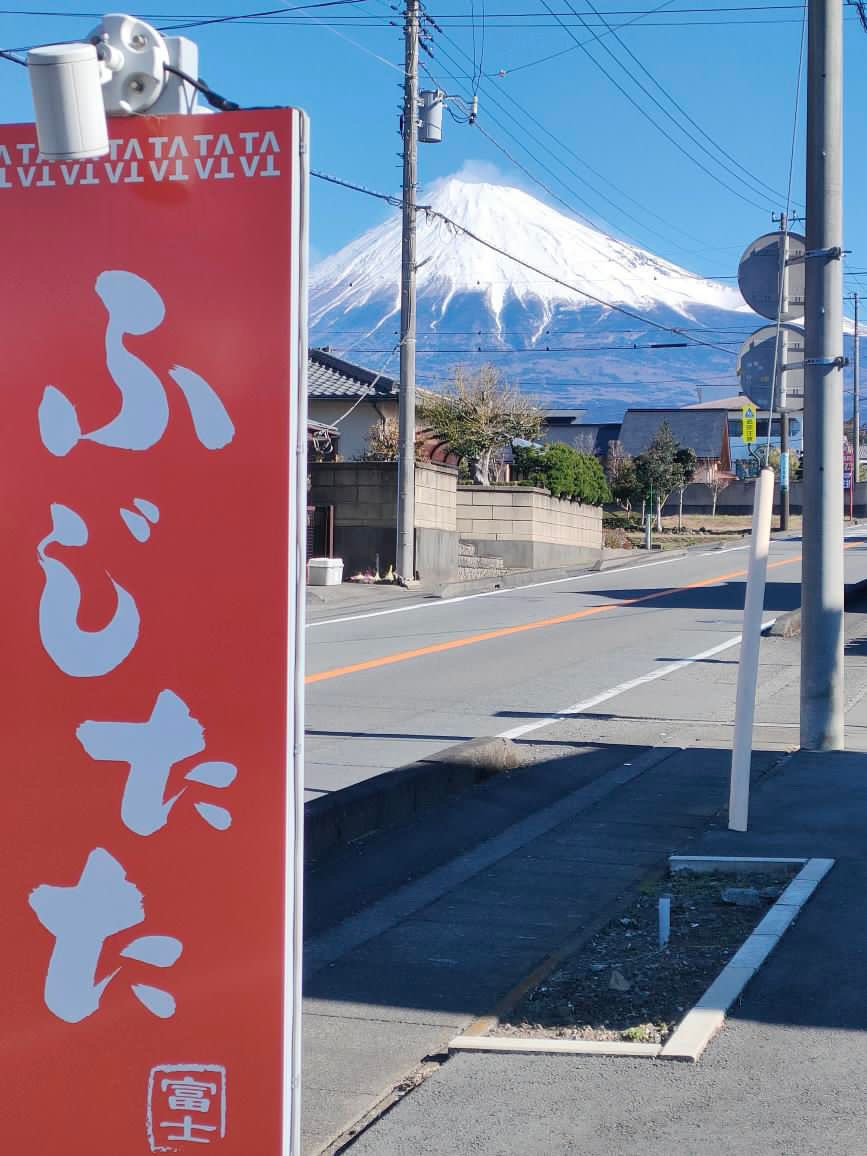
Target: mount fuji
560, 340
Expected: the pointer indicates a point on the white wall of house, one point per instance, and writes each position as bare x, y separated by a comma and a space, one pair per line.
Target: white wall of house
355, 427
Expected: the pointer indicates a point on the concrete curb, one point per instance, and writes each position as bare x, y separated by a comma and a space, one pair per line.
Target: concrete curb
624, 563
550, 1047
702, 1022
507, 581
788, 625
395, 797
520, 578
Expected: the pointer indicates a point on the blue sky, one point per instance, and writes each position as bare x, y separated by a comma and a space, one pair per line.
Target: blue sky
732, 72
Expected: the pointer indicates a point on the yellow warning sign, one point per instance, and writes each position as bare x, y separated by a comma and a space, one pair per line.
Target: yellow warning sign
748, 423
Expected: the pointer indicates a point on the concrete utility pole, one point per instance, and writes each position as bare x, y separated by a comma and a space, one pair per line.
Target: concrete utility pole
405, 564
822, 573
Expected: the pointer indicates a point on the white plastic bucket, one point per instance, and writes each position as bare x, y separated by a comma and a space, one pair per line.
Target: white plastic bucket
324, 571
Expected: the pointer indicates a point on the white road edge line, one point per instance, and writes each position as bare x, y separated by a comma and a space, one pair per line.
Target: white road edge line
622, 687
511, 589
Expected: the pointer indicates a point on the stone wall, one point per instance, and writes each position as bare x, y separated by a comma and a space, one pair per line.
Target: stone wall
436, 539
528, 528
364, 497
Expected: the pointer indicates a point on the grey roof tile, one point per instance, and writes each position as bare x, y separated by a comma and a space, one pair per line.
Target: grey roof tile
702, 430
332, 377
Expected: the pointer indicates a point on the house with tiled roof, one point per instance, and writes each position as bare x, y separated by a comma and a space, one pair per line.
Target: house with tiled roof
705, 431
349, 398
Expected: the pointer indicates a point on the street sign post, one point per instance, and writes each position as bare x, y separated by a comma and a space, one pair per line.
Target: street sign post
151, 480
755, 367
748, 424
848, 472
759, 275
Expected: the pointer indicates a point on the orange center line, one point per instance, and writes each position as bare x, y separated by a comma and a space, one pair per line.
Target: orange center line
505, 631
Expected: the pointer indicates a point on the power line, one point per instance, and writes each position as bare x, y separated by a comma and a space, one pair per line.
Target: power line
442, 18
563, 147
676, 104
660, 128
537, 180
558, 333
528, 352
204, 21
193, 22
558, 157
430, 211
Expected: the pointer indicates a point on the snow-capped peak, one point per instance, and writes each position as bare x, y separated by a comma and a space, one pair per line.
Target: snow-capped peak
589, 265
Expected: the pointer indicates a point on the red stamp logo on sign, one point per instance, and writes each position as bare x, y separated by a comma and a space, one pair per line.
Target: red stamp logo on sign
186, 1105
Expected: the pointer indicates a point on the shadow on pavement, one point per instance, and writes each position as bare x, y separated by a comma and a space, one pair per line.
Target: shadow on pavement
352, 877
779, 596
460, 947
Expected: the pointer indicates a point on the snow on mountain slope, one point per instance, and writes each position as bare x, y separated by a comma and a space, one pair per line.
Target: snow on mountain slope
467, 290
451, 263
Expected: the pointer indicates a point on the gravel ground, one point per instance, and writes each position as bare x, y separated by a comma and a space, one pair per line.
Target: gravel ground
622, 986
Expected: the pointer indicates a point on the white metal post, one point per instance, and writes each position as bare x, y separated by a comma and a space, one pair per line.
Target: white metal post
748, 668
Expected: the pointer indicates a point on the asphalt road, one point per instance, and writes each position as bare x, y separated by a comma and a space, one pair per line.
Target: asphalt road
388, 687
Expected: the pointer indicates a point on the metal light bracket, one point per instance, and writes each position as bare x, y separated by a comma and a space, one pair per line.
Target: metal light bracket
133, 56
835, 253
832, 254
836, 362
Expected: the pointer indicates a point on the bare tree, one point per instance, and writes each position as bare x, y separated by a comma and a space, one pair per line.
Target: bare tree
620, 472
478, 415
716, 483
382, 441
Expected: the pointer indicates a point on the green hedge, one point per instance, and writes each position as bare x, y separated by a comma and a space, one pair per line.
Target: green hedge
564, 471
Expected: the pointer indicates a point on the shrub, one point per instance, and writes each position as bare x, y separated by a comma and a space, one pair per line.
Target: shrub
564, 471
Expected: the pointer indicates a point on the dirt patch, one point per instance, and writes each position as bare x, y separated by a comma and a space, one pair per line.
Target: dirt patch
695, 530
622, 986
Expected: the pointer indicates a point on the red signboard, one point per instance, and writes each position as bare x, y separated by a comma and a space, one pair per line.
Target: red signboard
152, 350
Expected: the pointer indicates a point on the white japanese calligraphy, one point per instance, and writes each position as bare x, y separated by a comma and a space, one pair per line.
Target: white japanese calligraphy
151, 749
134, 308
81, 918
79, 653
140, 520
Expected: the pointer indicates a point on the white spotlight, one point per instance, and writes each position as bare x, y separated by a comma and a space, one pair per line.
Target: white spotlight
67, 99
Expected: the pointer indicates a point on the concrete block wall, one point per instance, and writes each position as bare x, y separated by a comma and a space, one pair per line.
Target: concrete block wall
737, 499
364, 497
435, 488
527, 527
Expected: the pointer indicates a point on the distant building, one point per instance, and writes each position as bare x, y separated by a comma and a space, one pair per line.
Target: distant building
349, 395
745, 457
705, 431
586, 437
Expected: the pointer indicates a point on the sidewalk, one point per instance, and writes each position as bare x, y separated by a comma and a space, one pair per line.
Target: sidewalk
389, 985
784, 1078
